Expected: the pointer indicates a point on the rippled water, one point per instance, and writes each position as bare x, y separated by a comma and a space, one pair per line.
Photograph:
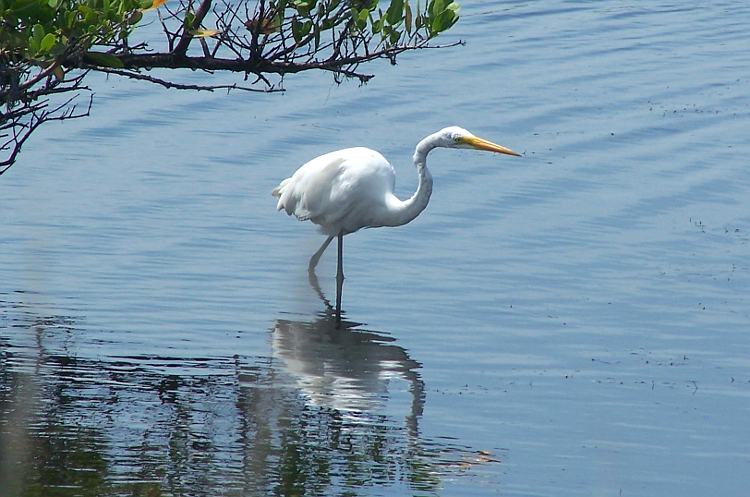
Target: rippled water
573, 322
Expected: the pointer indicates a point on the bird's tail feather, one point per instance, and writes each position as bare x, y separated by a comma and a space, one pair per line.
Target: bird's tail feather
278, 192
280, 189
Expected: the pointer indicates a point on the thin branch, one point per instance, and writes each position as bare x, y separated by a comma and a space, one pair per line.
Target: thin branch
180, 86
173, 61
22, 132
187, 31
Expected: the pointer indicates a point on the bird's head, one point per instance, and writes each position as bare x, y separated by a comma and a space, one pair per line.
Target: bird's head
456, 137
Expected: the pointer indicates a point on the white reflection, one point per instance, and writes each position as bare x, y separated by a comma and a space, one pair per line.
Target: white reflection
344, 369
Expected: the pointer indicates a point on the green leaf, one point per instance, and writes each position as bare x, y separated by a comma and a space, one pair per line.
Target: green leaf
436, 7
300, 29
85, 10
47, 42
394, 14
326, 24
52, 3
304, 6
103, 59
59, 73
407, 16
70, 19
278, 20
377, 25
37, 32
394, 37
33, 46
443, 15
188, 20
135, 17
360, 18
296, 29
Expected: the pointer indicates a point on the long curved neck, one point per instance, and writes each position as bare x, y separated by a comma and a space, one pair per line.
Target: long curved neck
412, 207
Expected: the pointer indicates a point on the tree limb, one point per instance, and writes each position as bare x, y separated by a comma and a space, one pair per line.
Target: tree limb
187, 32
181, 86
47, 50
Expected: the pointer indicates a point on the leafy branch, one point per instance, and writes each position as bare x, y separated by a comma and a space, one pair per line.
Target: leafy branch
48, 46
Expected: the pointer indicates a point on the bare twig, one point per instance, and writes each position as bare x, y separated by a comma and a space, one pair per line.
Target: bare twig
181, 86
187, 31
22, 131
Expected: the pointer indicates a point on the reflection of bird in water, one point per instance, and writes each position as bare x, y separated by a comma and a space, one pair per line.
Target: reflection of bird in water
345, 369
341, 367
351, 189
342, 415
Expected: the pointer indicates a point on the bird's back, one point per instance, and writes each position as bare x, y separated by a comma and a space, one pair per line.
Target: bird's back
341, 190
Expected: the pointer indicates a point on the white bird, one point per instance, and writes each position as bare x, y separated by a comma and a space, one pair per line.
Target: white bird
350, 189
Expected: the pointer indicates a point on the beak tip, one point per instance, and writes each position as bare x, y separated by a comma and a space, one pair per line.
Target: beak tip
511, 152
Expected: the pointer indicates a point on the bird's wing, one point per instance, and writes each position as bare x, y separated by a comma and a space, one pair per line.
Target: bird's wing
326, 189
305, 191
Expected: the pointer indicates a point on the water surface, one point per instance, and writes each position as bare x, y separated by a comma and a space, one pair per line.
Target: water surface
569, 323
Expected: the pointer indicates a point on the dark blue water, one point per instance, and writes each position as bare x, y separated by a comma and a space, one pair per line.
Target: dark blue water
570, 323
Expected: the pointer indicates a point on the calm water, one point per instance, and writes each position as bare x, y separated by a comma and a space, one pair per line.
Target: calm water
571, 323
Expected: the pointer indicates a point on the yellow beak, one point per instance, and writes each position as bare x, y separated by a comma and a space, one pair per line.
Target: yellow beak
482, 144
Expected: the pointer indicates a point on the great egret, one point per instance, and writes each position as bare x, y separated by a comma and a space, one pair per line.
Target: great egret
351, 189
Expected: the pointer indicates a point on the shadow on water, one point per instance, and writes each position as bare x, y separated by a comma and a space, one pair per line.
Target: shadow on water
327, 411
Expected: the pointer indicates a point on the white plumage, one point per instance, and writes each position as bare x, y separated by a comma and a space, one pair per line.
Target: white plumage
351, 189
344, 190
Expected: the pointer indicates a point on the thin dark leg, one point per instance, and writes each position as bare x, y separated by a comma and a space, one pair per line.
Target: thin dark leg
339, 278
316, 256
